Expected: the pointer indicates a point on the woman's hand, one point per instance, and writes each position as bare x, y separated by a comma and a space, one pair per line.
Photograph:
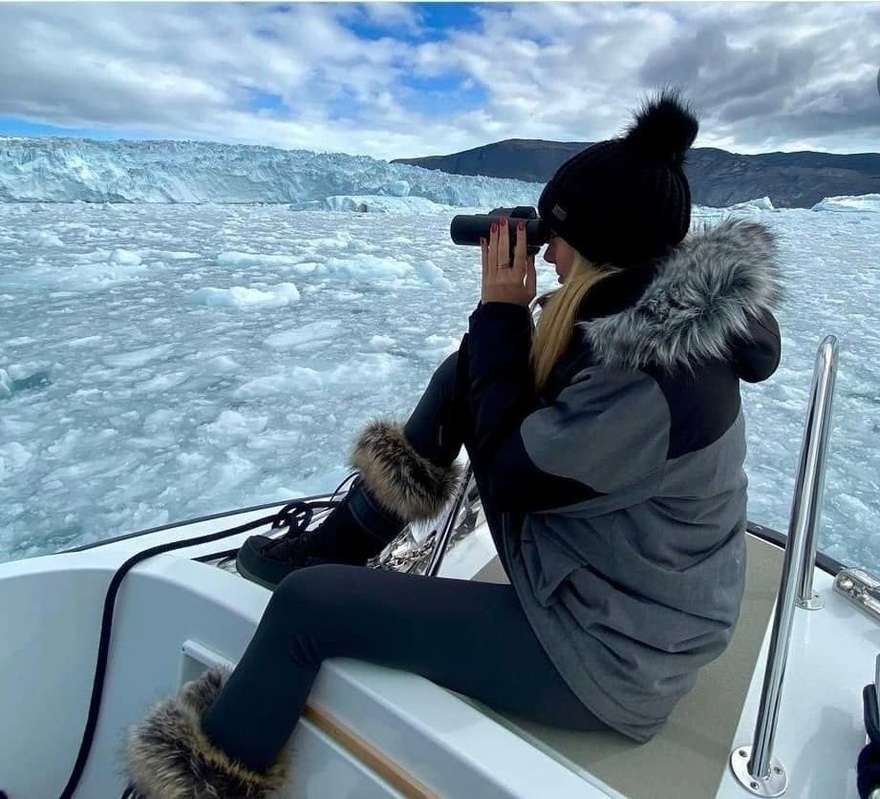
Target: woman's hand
507, 279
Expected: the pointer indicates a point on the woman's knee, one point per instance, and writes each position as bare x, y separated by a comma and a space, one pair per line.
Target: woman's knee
439, 392
430, 428
302, 591
443, 379
313, 612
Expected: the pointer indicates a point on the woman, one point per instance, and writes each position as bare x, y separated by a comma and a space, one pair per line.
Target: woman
608, 448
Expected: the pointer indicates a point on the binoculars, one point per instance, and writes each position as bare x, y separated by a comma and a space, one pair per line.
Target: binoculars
468, 229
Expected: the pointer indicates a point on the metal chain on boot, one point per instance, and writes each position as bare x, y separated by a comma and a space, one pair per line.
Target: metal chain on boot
405, 554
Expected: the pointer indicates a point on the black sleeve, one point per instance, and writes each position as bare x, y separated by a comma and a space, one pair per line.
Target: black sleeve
501, 396
756, 357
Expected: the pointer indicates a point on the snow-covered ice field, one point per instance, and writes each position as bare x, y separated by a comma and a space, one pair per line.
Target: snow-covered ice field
159, 362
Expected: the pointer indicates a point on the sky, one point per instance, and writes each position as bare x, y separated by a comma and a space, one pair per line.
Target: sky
392, 80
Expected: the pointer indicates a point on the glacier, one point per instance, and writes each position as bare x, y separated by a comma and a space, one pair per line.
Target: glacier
65, 170
69, 170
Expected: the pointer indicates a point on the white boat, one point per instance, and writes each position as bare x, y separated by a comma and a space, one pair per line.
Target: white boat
93, 636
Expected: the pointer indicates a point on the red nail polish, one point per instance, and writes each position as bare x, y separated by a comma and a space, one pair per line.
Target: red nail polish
494, 228
521, 226
503, 222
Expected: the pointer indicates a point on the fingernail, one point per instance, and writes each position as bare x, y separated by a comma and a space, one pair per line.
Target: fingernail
521, 226
494, 228
503, 222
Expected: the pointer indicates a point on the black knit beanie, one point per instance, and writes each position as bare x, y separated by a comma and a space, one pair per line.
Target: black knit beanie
626, 201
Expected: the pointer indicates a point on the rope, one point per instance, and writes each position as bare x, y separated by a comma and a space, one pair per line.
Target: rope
106, 630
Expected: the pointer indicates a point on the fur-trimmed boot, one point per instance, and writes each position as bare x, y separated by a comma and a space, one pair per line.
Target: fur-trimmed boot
167, 756
395, 486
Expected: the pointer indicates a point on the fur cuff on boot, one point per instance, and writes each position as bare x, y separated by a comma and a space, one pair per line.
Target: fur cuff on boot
169, 757
401, 479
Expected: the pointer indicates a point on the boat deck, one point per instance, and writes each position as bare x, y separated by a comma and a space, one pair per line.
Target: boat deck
698, 738
177, 614
707, 724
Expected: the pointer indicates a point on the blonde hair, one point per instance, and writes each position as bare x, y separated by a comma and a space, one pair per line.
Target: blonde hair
558, 311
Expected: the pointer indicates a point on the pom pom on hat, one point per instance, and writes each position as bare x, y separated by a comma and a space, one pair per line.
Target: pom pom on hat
663, 129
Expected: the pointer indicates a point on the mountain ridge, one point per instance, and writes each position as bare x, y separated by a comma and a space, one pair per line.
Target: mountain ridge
718, 177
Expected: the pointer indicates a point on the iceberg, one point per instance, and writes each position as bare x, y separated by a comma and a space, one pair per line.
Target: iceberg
245, 297
864, 202
379, 204
760, 204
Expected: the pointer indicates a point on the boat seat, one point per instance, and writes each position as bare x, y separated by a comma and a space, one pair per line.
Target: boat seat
688, 757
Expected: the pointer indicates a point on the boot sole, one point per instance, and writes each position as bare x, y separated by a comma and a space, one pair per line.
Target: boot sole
248, 575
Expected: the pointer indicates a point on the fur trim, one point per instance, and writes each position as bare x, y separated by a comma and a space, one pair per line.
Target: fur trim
401, 479
697, 304
169, 757
200, 694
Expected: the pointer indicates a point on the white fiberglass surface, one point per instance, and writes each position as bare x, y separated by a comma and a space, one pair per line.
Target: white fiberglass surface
159, 362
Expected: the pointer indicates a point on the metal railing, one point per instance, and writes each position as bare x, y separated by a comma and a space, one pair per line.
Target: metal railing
821, 403
442, 544
754, 766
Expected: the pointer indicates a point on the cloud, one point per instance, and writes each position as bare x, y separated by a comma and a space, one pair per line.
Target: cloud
389, 79
788, 73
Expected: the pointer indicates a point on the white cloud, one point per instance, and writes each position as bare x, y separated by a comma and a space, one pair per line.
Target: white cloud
763, 76
403, 17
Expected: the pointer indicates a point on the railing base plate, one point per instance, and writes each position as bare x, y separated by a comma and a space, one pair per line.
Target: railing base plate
772, 785
815, 602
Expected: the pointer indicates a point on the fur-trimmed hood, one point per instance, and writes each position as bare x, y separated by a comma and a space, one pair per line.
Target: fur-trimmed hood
700, 304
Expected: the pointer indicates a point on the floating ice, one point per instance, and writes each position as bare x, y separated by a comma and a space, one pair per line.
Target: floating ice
377, 204
367, 267
865, 202
307, 337
233, 258
46, 239
137, 358
243, 297
133, 395
124, 258
761, 204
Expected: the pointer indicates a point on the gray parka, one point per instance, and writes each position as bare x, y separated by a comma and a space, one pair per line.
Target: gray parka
618, 496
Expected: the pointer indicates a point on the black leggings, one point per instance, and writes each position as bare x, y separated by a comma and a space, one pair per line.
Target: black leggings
468, 636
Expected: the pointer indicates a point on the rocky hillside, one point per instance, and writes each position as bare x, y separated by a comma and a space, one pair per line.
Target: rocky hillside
718, 178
